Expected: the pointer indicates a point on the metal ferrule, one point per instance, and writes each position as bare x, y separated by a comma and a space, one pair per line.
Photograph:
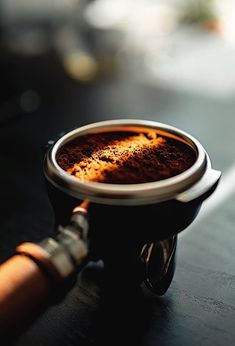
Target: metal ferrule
58, 256
70, 247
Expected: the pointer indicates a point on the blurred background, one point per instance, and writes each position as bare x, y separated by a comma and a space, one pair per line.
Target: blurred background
67, 63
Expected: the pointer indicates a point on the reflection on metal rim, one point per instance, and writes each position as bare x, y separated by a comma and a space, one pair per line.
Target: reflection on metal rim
128, 194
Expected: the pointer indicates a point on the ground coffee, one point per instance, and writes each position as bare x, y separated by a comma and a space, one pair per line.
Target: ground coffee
125, 157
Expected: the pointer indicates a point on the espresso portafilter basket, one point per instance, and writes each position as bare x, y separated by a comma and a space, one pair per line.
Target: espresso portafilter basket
132, 228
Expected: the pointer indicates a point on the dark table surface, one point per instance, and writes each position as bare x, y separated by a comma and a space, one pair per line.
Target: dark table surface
199, 306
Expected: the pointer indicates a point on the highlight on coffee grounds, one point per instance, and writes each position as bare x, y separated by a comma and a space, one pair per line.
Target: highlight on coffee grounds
125, 157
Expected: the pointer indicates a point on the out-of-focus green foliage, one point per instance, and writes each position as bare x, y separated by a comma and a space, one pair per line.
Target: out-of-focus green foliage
197, 11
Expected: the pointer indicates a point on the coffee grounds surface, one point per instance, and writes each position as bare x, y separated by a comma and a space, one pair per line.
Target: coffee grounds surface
125, 157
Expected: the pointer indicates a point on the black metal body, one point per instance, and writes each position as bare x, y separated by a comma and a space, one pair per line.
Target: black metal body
119, 233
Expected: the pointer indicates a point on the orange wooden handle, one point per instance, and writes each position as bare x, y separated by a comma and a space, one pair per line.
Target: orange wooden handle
23, 289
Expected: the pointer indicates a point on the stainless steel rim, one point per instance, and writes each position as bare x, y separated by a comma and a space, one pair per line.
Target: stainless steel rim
128, 194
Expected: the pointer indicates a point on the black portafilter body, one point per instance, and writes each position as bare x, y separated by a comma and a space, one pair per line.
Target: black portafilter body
133, 227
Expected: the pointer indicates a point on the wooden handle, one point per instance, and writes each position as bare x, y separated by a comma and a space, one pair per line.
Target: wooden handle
24, 287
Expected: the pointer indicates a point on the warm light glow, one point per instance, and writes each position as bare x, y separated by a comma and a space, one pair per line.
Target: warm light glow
226, 21
80, 66
83, 207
